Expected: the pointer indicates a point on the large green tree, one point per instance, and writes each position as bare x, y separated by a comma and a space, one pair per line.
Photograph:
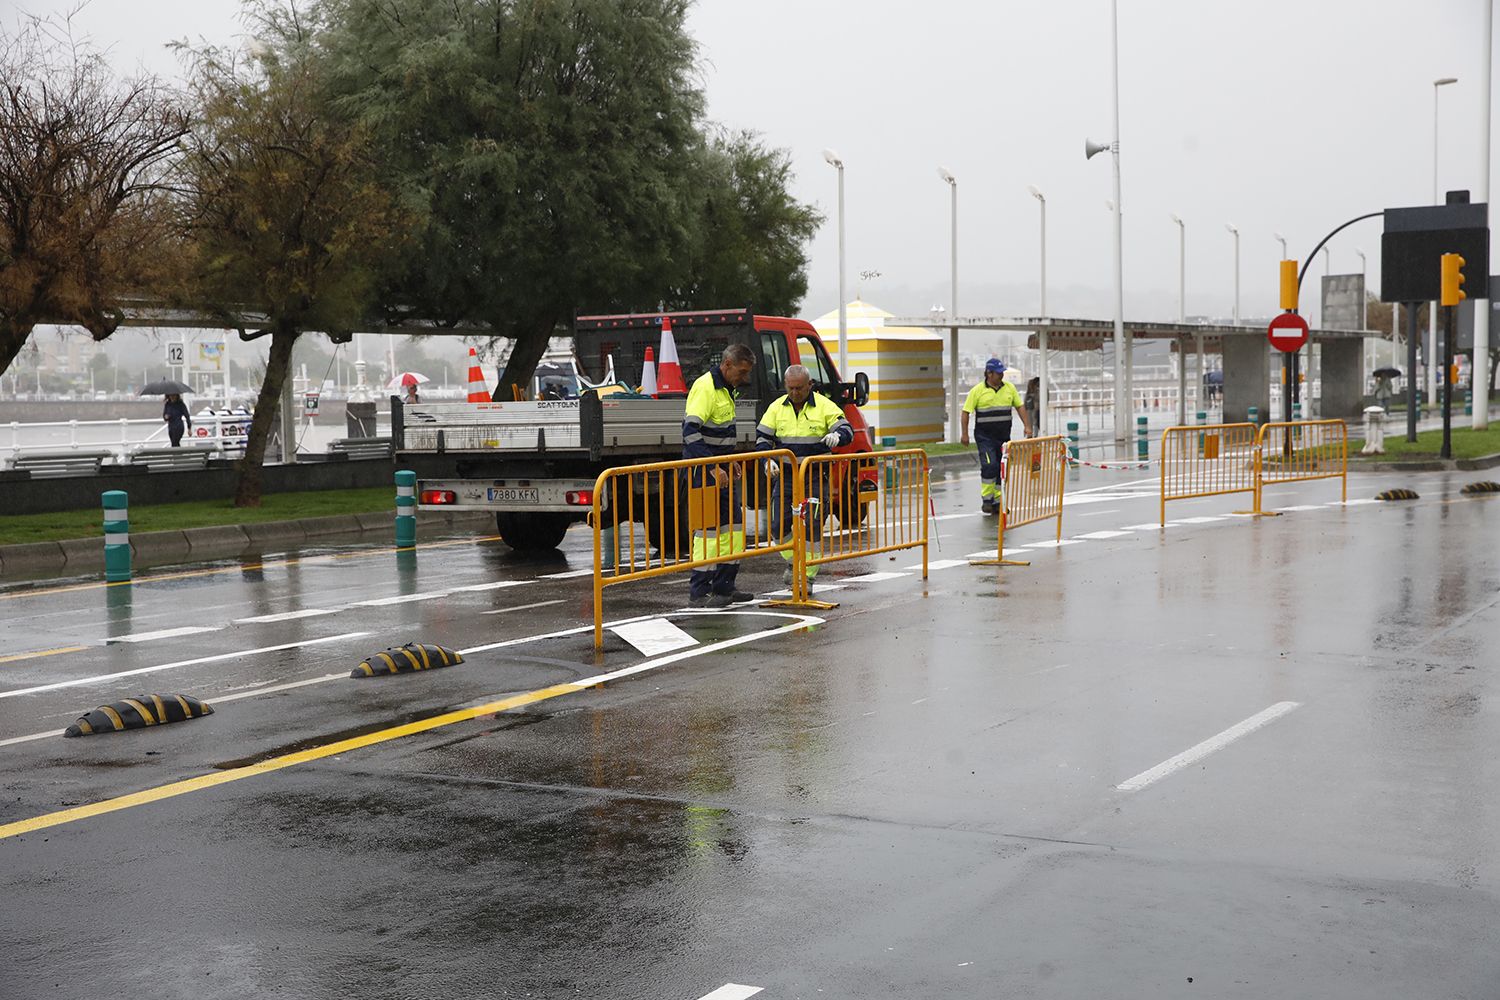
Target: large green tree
552, 147
84, 216
288, 218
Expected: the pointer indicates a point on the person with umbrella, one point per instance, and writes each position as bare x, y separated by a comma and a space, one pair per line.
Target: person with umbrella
174, 411
1383, 388
409, 381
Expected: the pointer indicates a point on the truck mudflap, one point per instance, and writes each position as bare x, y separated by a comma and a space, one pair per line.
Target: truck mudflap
563, 496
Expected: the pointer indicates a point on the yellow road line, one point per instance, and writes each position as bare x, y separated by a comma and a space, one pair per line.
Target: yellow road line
238, 569
41, 652
277, 763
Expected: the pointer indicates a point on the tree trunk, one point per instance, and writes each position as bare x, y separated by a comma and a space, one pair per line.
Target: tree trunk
14, 332
531, 344
278, 364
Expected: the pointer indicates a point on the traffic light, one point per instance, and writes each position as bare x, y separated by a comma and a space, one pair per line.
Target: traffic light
1289, 284
1453, 279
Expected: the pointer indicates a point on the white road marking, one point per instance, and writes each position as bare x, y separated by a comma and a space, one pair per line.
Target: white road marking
1052, 544
818, 588
1196, 520
949, 517
1355, 503
568, 575
523, 607
801, 622
938, 564
382, 602
1101, 513
293, 685
875, 577
28, 739
1153, 526
732, 991
287, 616
1305, 506
166, 633
654, 636
490, 586
1208, 746
1104, 534
98, 678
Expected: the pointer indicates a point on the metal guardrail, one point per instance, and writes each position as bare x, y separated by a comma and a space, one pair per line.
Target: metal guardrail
1302, 450
693, 512
123, 437
1031, 490
1208, 460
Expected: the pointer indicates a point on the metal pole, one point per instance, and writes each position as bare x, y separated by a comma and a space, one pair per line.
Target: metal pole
1411, 370
955, 404
1479, 371
1043, 395
1448, 312
843, 310
1430, 355
1181, 381
1122, 397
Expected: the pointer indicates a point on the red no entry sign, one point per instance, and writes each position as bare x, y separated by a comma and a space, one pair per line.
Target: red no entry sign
1288, 332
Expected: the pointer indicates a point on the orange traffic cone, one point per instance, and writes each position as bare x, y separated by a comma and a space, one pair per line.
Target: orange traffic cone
668, 369
648, 374
477, 391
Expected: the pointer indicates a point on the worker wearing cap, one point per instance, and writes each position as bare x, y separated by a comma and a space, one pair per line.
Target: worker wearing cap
994, 403
803, 423
708, 432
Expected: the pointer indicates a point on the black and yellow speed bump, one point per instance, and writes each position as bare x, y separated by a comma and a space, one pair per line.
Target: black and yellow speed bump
1484, 486
1398, 495
406, 659
139, 713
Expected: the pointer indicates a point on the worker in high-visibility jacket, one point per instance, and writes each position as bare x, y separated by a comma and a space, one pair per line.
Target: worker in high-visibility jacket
994, 403
804, 423
708, 432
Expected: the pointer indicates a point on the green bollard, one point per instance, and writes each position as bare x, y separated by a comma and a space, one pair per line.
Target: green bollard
116, 536
406, 509
1073, 439
887, 444
1141, 445
1254, 415
1202, 421
1469, 403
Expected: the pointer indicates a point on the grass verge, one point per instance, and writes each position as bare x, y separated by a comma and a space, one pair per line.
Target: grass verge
197, 514
1467, 443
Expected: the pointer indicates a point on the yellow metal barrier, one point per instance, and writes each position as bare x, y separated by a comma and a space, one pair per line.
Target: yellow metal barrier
1209, 460
693, 512
879, 500
1302, 450
1032, 490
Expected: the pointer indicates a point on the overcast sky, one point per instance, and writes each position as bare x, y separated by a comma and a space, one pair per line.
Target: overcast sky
1276, 115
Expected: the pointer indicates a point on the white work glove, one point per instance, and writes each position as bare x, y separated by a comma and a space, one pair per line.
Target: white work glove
831, 440
773, 468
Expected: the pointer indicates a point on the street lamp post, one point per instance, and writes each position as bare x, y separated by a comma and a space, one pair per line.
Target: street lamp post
1041, 334
833, 160
1122, 370
1182, 318
954, 405
1364, 300
1479, 372
1231, 227
1282, 240
1431, 352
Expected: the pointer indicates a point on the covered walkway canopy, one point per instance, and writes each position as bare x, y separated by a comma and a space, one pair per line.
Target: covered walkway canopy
1247, 375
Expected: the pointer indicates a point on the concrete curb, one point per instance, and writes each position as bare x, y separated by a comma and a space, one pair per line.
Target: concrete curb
1428, 465
154, 548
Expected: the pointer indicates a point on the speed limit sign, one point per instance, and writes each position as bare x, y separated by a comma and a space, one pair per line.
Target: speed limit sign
176, 353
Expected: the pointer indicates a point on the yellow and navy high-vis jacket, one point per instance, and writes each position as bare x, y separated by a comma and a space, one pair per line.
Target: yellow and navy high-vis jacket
802, 431
708, 421
992, 409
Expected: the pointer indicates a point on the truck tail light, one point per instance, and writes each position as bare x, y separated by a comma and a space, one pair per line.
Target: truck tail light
438, 496
580, 498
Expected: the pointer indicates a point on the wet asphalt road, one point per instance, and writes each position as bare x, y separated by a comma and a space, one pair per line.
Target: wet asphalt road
965, 788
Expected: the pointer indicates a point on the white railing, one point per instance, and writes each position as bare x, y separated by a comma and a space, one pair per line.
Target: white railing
225, 434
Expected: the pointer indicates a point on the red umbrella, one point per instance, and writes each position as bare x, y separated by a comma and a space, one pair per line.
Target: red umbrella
405, 379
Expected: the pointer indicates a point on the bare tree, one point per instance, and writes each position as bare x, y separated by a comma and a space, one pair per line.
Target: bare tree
85, 217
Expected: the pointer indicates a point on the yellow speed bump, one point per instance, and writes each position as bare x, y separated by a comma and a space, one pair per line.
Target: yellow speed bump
407, 659
1399, 494
139, 713
1481, 487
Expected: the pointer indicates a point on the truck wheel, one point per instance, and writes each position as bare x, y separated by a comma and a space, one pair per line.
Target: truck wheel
532, 532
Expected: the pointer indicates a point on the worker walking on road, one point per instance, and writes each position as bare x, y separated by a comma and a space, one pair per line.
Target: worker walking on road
804, 423
993, 403
708, 432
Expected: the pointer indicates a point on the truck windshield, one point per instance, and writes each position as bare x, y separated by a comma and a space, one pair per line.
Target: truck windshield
814, 361
697, 351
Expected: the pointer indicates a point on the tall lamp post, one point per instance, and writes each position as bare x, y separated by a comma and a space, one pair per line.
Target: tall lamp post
1122, 370
1282, 240
1430, 355
1364, 300
1182, 303
833, 160
1041, 335
1479, 372
1236, 233
953, 400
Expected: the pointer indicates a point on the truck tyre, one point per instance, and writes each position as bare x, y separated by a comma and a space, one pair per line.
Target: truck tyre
532, 532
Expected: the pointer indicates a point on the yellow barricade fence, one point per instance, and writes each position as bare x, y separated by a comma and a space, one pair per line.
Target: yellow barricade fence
1031, 490
693, 512
1300, 450
1209, 460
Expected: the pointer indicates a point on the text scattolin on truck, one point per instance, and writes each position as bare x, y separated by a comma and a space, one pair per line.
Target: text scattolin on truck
534, 463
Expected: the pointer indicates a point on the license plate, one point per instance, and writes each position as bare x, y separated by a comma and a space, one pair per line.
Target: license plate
509, 494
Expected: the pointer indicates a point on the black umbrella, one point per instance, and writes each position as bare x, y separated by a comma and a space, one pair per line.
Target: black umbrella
164, 387
1387, 373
